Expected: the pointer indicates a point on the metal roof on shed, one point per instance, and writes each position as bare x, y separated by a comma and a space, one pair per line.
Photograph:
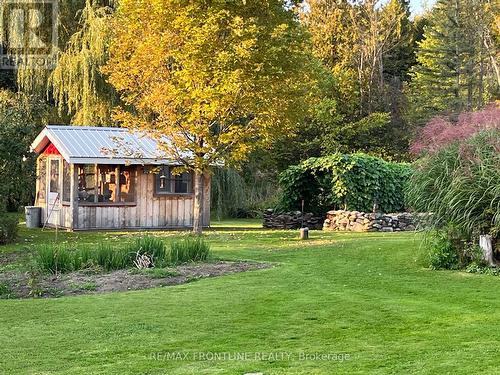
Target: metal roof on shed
96, 145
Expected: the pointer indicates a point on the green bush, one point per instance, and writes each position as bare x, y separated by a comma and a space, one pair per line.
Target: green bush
192, 249
443, 255
8, 227
353, 182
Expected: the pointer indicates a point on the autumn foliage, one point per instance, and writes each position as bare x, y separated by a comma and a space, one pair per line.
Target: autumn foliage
441, 132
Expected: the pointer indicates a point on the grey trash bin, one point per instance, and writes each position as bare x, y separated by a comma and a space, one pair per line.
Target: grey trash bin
33, 216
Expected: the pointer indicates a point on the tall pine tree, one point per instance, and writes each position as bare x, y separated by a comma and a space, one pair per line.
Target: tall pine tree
455, 71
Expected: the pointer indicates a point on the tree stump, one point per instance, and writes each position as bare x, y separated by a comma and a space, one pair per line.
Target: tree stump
486, 245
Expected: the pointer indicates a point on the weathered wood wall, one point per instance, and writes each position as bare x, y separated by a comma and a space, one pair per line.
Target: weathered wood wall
149, 211
60, 217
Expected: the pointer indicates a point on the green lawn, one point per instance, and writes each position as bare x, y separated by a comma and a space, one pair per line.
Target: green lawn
357, 294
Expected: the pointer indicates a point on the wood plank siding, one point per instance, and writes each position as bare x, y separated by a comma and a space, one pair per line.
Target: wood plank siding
149, 211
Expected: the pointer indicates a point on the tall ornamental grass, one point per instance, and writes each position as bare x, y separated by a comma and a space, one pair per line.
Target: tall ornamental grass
152, 246
460, 185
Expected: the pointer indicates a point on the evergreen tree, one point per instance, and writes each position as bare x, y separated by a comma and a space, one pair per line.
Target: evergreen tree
399, 60
455, 71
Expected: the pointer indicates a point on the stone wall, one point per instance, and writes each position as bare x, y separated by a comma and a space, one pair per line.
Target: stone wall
291, 220
356, 221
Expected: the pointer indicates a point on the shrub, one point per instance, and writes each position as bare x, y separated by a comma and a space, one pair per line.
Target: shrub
479, 268
6, 291
192, 249
442, 254
8, 227
353, 182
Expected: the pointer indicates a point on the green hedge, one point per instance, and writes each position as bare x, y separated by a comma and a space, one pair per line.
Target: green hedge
351, 182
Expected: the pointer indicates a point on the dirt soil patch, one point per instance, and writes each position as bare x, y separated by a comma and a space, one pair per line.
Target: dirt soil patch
25, 285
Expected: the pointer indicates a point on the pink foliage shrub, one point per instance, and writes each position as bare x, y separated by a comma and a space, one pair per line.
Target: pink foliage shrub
440, 132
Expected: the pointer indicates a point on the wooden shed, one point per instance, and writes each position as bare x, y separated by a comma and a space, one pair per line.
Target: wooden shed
109, 178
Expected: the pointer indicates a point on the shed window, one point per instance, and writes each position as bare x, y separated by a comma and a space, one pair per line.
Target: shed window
106, 184
168, 183
54, 176
127, 184
42, 178
66, 182
87, 183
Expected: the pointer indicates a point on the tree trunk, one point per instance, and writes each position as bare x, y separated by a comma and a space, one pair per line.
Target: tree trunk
198, 202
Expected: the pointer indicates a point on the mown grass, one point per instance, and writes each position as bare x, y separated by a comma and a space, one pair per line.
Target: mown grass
360, 294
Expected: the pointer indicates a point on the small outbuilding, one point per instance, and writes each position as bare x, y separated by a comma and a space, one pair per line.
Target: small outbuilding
109, 178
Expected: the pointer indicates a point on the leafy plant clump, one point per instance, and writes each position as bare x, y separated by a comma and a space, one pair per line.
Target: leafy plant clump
63, 258
191, 249
8, 227
339, 181
6, 291
151, 247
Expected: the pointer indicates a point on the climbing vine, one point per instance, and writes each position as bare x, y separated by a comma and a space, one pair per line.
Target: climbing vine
339, 181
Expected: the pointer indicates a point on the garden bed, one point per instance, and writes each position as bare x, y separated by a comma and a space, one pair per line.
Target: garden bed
28, 285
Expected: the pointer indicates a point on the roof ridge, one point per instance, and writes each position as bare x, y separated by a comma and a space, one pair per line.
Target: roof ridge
77, 127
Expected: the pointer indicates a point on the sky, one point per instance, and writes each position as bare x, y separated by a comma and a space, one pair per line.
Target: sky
418, 6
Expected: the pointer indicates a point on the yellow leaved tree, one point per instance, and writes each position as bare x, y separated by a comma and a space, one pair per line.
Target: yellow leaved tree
216, 78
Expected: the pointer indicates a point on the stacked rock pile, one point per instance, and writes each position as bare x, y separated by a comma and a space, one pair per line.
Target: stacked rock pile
356, 221
291, 220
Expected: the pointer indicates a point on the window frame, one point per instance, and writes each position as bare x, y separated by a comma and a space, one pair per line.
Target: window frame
66, 175
172, 178
42, 179
117, 203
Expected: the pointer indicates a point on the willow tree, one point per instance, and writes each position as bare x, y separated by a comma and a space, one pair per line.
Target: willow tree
77, 84
217, 79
